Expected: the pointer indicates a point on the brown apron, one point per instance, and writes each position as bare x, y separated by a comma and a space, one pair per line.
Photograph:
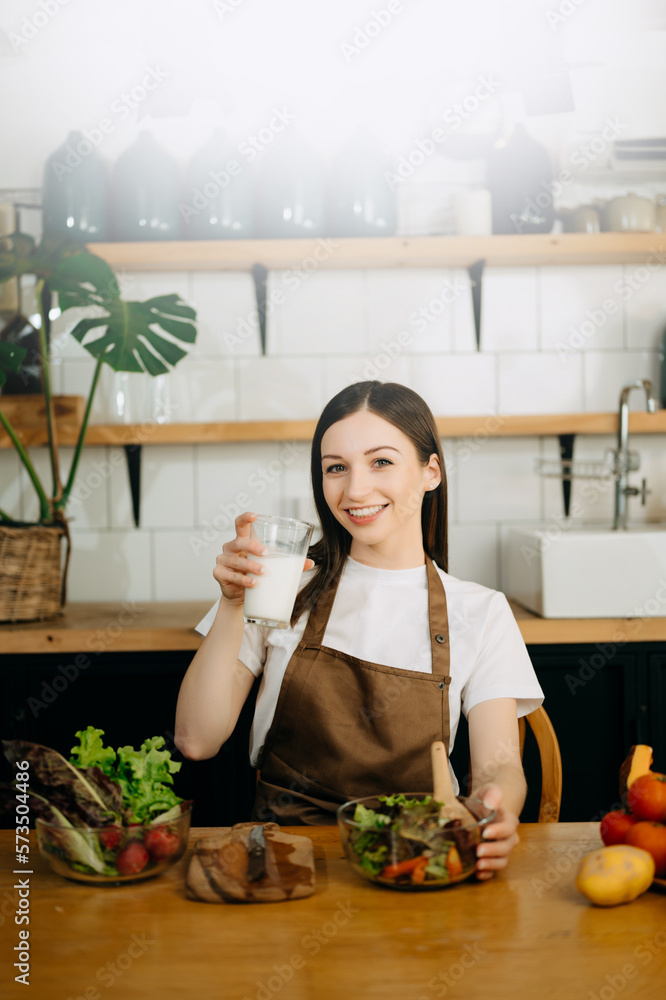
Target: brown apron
345, 728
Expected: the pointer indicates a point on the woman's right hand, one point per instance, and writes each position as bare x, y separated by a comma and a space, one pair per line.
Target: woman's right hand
235, 570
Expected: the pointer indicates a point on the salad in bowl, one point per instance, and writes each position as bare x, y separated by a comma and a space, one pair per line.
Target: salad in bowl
403, 842
103, 816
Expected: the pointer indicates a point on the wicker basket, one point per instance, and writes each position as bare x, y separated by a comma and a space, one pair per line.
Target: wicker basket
32, 577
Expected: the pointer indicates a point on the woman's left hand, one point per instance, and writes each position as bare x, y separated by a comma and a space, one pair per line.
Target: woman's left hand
500, 837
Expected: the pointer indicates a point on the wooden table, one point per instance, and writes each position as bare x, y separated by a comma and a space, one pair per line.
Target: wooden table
526, 933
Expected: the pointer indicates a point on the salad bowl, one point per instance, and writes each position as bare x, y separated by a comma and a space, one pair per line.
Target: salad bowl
115, 855
401, 841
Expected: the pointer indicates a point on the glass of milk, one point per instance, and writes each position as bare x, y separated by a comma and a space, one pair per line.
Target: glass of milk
271, 600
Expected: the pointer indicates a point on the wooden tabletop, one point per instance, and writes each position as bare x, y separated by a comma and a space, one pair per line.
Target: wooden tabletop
149, 625
526, 933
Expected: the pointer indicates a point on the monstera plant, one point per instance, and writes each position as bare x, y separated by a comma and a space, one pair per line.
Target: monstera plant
126, 336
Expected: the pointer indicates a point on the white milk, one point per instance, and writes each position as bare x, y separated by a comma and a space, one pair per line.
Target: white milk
274, 593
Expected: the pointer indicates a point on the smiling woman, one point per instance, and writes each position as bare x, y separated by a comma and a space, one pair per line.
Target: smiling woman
385, 648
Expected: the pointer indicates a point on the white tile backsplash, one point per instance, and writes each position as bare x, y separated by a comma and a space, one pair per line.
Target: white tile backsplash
456, 384
581, 308
509, 315
322, 312
110, 566
413, 304
540, 383
227, 322
606, 374
167, 486
280, 388
497, 481
332, 328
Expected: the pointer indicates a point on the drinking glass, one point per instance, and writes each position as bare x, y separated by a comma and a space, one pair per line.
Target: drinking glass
271, 600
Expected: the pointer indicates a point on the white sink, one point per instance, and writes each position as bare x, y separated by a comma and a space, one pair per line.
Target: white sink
587, 572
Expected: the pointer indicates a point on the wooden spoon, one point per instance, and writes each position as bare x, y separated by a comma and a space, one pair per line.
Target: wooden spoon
451, 808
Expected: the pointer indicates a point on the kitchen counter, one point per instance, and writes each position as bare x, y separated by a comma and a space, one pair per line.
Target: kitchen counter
525, 933
136, 626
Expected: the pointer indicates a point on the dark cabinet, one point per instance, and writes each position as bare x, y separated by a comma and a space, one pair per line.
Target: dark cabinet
46, 698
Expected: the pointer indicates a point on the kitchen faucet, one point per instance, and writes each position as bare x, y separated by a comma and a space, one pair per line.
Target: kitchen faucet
622, 488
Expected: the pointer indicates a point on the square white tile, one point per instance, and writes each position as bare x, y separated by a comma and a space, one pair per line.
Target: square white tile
137, 286
540, 383
227, 323
409, 310
183, 572
606, 374
645, 291
456, 384
201, 391
473, 554
509, 316
280, 388
236, 477
322, 313
120, 495
88, 502
167, 486
497, 482
110, 566
581, 309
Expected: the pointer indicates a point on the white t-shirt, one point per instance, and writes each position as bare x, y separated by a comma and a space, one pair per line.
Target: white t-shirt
381, 616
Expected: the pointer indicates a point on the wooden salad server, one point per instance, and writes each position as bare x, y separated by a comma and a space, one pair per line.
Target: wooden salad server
452, 808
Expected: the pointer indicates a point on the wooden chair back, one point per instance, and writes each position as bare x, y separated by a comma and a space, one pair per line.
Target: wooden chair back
551, 762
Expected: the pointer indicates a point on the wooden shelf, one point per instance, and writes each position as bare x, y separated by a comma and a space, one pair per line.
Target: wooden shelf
154, 625
385, 251
481, 427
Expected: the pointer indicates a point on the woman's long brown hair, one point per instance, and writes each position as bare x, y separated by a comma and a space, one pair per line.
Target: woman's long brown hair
405, 409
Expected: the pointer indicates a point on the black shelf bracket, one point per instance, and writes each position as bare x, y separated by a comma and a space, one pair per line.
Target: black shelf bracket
133, 457
566, 455
260, 277
475, 272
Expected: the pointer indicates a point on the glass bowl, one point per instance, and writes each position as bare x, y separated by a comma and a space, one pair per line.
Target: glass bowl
412, 849
114, 855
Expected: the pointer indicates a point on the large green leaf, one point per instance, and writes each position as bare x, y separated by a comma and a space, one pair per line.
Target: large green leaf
11, 358
139, 336
83, 280
20, 255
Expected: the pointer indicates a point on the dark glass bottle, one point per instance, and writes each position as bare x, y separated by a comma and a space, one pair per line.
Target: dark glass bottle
146, 192
75, 191
218, 199
290, 190
361, 203
520, 177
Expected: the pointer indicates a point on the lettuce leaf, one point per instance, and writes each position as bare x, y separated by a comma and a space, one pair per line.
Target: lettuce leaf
91, 751
144, 776
368, 819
